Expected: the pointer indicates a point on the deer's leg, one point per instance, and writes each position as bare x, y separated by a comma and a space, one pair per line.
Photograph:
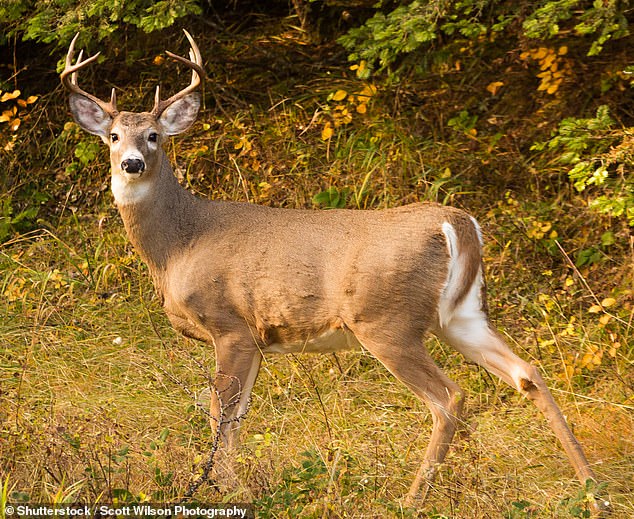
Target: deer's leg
408, 360
470, 333
237, 366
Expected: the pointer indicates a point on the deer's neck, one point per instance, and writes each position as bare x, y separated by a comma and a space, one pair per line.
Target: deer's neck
159, 215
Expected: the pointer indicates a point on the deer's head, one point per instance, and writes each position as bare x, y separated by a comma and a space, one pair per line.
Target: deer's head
134, 139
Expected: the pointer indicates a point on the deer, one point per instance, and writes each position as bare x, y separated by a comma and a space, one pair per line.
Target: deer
252, 280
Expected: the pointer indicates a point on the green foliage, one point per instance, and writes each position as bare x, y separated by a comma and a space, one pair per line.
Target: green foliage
596, 155
595, 254
605, 19
300, 486
463, 122
580, 504
387, 37
307, 489
12, 221
520, 510
332, 198
57, 21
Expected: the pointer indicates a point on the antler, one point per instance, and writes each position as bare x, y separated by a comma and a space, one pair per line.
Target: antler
69, 79
195, 62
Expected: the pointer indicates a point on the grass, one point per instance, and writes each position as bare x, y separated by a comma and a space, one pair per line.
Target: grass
94, 383
87, 414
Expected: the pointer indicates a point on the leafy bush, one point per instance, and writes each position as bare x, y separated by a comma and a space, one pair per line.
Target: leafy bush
605, 19
595, 154
387, 37
57, 21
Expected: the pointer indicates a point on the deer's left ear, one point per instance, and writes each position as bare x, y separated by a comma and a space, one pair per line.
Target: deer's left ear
180, 115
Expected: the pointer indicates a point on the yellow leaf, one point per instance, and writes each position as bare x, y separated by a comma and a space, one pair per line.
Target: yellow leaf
31, 100
545, 226
15, 124
612, 350
158, 60
327, 132
360, 67
6, 116
21, 103
494, 87
8, 96
547, 62
540, 53
362, 108
365, 94
594, 309
525, 55
552, 88
586, 360
563, 50
608, 302
605, 319
339, 95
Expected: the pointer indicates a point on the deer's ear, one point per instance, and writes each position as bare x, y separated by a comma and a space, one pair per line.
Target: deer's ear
89, 115
181, 114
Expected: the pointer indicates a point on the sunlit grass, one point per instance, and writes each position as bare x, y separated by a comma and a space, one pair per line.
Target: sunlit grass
87, 414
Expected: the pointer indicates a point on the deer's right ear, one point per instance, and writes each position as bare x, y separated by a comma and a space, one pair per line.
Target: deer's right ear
90, 116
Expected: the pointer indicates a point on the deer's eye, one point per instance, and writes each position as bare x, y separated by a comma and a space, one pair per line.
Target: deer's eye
153, 137
114, 137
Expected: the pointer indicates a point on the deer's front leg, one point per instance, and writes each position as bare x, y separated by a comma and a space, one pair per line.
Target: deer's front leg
237, 364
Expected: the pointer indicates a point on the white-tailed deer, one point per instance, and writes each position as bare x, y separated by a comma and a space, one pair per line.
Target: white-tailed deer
252, 280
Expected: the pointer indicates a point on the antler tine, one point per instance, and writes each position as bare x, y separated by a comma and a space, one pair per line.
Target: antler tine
195, 62
69, 78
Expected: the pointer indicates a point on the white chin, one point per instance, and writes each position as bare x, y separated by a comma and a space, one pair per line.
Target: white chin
131, 176
127, 188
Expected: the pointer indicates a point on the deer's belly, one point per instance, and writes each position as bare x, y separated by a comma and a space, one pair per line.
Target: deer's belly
328, 342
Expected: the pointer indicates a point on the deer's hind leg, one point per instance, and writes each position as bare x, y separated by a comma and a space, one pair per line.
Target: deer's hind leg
470, 332
405, 356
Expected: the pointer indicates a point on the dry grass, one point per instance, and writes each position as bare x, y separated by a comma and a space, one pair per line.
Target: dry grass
86, 412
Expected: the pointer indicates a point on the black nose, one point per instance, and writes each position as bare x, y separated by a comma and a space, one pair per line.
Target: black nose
133, 166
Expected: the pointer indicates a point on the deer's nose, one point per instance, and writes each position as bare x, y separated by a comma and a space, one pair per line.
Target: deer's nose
133, 166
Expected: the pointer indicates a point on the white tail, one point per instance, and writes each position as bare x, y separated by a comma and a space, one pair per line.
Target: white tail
252, 280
